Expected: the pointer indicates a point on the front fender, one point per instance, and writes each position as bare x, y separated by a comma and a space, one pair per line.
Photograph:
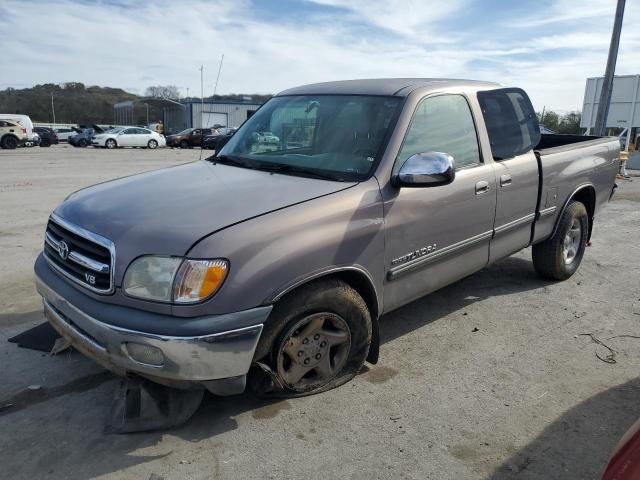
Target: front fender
274, 253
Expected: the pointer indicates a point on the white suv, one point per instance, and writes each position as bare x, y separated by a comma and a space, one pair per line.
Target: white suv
12, 134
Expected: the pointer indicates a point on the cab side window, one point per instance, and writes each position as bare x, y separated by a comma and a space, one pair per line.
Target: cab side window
444, 124
511, 122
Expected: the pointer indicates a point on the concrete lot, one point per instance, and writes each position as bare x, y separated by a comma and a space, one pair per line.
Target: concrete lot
489, 378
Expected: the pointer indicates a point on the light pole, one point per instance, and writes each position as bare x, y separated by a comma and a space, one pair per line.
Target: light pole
53, 111
607, 84
201, 95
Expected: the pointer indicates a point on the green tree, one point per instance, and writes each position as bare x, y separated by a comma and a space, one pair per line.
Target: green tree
570, 123
550, 120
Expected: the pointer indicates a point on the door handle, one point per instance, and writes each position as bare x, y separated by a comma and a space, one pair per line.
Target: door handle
482, 187
505, 180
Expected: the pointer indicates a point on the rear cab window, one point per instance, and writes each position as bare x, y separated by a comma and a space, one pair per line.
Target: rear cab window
511, 122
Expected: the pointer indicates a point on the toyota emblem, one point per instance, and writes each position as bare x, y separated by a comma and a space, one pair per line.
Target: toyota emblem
63, 250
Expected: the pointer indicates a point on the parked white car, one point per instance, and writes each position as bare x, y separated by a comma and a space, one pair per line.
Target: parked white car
64, 133
129, 137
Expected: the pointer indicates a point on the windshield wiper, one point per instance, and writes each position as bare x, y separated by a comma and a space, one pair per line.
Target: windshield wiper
274, 167
234, 161
296, 170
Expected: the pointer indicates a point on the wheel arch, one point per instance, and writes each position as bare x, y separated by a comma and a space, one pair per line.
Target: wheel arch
7, 135
586, 194
361, 281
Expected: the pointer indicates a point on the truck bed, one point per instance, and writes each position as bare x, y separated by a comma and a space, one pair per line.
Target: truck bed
555, 142
567, 163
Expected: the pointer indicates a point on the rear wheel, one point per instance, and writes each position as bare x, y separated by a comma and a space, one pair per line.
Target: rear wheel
152, 144
10, 142
110, 143
316, 338
559, 256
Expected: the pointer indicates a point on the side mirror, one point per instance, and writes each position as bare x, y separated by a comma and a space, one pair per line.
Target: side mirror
428, 169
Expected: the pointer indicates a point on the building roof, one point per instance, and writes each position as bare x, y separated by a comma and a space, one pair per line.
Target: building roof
382, 86
251, 103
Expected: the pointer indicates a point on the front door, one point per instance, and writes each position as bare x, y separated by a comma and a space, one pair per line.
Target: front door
436, 235
513, 133
127, 137
195, 140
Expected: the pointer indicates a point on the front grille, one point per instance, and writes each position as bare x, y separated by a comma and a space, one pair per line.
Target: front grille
82, 256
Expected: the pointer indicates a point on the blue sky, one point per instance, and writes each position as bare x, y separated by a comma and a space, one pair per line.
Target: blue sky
547, 47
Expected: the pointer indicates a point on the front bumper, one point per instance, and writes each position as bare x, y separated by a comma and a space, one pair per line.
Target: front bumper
185, 359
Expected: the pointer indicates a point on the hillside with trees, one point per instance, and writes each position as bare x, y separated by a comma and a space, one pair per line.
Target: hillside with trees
75, 103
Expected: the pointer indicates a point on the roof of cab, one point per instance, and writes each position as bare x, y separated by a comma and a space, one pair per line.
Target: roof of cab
400, 87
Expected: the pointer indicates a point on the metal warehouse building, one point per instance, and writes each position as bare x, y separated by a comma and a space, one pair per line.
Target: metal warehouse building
624, 111
193, 114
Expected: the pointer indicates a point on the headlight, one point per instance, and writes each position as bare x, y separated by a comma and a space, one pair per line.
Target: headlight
174, 279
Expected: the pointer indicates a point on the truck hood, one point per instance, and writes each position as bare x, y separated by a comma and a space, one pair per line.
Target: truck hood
166, 211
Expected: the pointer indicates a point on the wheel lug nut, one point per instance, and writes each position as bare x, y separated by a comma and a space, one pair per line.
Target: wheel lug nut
318, 356
316, 336
323, 344
305, 341
306, 361
300, 353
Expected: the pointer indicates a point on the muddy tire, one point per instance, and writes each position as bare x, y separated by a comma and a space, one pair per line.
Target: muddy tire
558, 257
316, 338
10, 142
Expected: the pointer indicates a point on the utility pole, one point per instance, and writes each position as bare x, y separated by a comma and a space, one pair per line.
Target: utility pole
607, 84
147, 105
215, 88
53, 111
201, 95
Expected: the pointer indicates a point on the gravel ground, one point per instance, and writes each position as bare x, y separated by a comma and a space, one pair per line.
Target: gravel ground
489, 378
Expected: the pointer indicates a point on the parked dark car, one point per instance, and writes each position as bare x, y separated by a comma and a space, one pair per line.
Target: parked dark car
191, 137
47, 136
82, 139
216, 142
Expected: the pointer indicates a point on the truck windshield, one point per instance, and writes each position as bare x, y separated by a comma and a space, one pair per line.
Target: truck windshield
337, 137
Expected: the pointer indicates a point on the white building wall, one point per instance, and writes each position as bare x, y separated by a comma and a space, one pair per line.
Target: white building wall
236, 113
623, 111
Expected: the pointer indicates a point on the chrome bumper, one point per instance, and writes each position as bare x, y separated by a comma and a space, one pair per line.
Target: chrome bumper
184, 359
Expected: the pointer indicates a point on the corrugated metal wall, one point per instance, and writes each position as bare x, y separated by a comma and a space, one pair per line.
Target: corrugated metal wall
623, 111
176, 119
236, 113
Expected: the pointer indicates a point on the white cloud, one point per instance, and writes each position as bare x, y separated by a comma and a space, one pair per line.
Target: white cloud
164, 42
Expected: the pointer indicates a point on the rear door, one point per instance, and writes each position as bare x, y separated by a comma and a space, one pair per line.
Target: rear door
436, 235
142, 137
127, 138
513, 132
